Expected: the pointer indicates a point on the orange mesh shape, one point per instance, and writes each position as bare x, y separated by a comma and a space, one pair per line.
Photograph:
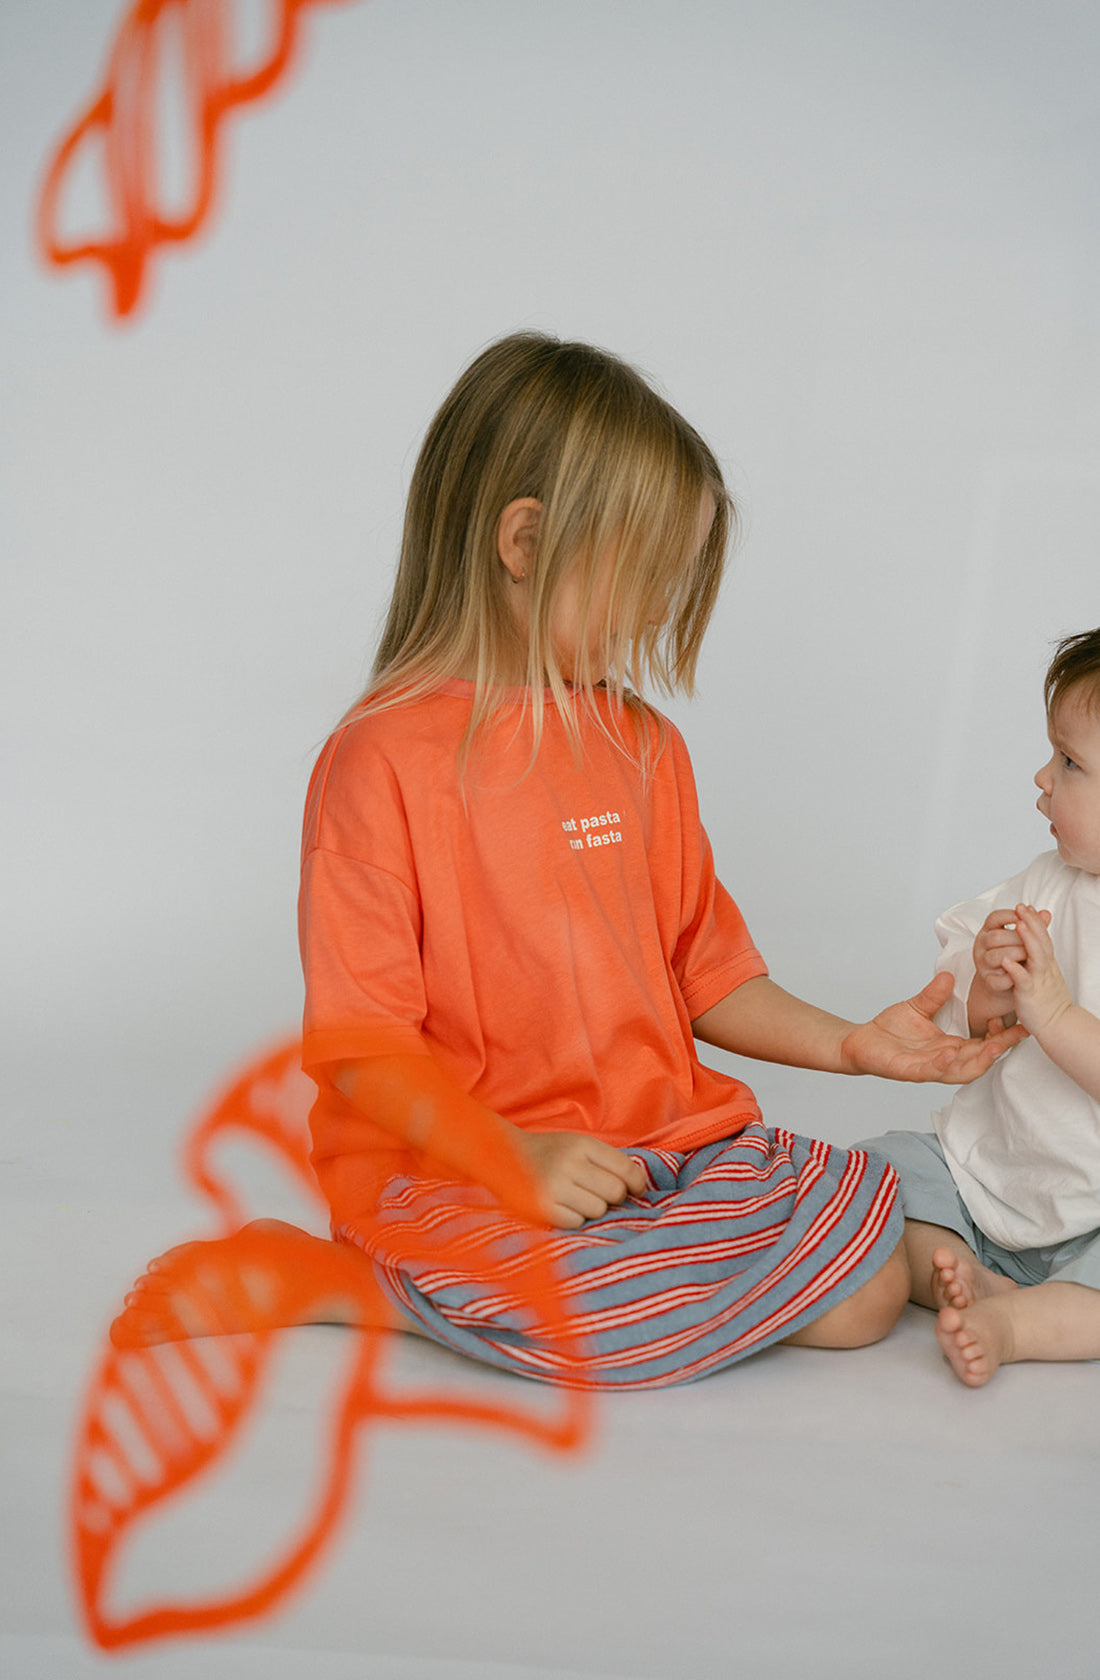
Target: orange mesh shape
267, 1104
166, 1404
122, 114
158, 1417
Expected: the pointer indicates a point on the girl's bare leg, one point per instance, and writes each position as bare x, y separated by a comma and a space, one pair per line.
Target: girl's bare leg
1048, 1321
945, 1272
864, 1317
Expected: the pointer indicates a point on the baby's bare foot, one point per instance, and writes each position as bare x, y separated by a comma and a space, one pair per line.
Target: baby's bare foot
977, 1340
958, 1280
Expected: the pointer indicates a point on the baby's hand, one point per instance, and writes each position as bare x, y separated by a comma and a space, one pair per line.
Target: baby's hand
998, 938
1042, 995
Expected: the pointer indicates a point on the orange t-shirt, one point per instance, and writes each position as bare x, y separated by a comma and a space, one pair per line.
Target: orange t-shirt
546, 931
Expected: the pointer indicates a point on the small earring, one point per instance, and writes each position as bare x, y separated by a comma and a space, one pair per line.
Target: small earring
519, 577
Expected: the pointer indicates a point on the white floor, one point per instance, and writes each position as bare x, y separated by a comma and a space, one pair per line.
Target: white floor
807, 1514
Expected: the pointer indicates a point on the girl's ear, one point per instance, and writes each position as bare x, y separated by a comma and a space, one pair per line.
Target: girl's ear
517, 535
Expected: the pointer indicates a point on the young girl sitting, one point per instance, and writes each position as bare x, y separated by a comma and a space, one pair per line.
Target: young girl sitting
1006, 1192
512, 931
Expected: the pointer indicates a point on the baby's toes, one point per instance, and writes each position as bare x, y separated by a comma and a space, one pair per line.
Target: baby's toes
956, 1292
976, 1366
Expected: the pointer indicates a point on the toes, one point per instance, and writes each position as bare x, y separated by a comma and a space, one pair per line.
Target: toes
974, 1369
964, 1349
953, 1278
148, 1288
134, 1329
170, 1257
968, 1346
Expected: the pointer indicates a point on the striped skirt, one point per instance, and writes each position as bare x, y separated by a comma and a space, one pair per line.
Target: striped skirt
734, 1246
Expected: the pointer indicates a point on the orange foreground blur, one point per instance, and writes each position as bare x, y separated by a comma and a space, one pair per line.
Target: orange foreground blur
158, 1416
124, 119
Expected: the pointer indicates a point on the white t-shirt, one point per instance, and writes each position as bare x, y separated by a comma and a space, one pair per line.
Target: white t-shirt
1023, 1142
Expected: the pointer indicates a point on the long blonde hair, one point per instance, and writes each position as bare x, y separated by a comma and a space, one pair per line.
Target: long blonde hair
618, 473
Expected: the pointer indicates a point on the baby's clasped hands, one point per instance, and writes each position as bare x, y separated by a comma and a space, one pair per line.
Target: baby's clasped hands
1042, 995
998, 943
999, 938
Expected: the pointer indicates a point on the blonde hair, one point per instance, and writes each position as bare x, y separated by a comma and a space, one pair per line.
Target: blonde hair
621, 479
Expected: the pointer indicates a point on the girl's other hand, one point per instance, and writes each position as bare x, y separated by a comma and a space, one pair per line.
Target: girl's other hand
579, 1176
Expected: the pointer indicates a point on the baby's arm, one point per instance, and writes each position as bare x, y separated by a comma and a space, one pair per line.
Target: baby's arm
1069, 1034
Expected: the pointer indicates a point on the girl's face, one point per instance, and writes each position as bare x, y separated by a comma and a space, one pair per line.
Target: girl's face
1069, 784
569, 641
565, 620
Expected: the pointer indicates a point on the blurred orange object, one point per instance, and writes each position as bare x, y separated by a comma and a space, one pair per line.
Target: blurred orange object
186, 1360
124, 117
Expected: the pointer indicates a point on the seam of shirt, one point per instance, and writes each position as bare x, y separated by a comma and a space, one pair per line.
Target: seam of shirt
361, 863
745, 960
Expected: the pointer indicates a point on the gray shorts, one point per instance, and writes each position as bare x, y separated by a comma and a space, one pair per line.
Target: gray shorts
928, 1192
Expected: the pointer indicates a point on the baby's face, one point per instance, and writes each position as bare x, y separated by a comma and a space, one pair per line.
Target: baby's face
1069, 784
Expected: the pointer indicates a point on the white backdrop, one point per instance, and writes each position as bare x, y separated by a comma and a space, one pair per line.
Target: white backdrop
856, 243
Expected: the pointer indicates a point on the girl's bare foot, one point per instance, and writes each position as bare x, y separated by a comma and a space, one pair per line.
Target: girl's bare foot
268, 1274
977, 1340
959, 1280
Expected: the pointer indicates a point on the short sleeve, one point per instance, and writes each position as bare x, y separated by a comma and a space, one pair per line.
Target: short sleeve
360, 940
359, 932
359, 917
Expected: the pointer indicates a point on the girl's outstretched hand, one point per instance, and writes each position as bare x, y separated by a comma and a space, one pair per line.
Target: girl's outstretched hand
903, 1042
579, 1176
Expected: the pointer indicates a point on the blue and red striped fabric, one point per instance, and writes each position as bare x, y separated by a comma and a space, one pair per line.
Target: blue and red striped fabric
735, 1246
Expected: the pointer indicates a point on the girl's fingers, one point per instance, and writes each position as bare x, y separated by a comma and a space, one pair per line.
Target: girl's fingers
976, 1057
565, 1218
581, 1176
588, 1203
594, 1185
594, 1181
619, 1165
989, 1050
